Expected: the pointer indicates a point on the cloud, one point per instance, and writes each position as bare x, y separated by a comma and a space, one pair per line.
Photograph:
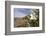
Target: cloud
20, 12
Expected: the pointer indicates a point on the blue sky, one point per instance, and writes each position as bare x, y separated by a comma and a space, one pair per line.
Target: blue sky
20, 12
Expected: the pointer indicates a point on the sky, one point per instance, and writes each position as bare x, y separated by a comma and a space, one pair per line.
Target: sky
21, 12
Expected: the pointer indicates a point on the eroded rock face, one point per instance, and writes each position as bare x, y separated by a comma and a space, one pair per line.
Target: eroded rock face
21, 22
